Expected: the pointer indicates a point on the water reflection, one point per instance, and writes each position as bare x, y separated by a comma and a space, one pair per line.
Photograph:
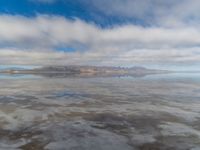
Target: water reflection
150, 113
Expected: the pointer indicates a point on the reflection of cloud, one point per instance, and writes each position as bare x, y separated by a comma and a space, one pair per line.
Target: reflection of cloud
177, 129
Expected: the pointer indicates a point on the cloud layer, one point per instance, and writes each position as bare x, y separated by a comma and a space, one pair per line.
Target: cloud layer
172, 36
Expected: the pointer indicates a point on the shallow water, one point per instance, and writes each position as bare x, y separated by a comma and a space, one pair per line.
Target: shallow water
156, 112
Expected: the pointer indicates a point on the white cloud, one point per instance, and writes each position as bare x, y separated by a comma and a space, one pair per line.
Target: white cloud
50, 31
34, 41
153, 12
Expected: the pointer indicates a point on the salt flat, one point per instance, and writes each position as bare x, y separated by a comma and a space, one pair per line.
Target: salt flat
154, 112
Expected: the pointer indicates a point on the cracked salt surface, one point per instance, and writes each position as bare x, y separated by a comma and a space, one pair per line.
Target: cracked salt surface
178, 129
10, 145
82, 136
103, 114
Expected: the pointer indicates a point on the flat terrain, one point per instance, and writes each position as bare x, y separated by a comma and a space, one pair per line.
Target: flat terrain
156, 112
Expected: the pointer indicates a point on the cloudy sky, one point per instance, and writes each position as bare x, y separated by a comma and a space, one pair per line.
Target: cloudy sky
152, 33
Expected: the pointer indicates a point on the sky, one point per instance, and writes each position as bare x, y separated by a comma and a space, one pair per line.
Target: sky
151, 33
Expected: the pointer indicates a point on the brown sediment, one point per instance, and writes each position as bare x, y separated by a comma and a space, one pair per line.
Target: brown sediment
155, 146
34, 145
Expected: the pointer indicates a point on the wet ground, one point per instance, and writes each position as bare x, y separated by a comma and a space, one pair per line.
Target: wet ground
158, 112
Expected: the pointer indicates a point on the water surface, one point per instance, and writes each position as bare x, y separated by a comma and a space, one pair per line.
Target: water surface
156, 112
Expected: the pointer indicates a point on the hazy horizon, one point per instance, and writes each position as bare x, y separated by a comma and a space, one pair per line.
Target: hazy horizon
174, 68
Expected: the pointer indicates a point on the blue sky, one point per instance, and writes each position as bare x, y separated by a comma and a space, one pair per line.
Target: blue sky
70, 9
152, 33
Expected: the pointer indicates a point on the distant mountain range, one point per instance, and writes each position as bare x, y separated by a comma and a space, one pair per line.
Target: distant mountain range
84, 71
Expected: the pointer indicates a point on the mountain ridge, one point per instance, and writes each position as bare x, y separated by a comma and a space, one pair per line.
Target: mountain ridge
85, 71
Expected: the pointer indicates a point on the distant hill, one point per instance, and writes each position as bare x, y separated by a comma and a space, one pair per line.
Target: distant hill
85, 71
